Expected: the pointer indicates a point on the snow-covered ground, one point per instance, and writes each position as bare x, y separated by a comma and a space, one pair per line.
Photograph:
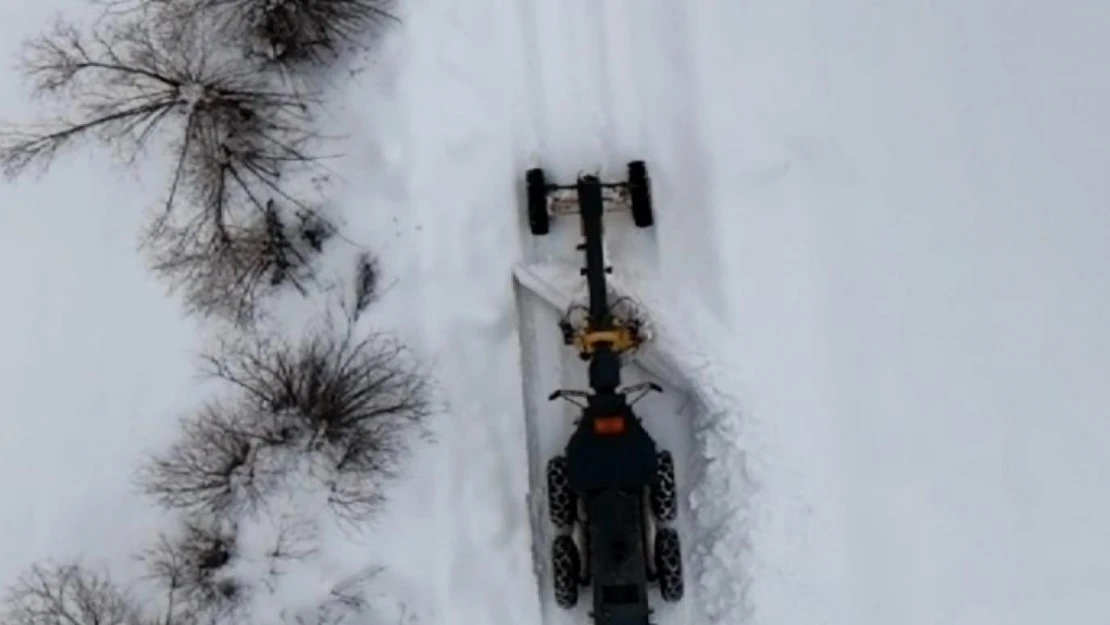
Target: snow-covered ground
964, 268
880, 231
93, 356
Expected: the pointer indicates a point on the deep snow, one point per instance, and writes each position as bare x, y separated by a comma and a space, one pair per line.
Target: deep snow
882, 226
92, 353
966, 284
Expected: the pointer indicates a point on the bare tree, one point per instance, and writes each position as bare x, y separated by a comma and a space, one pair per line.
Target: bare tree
290, 32
240, 141
68, 594
225, 462
191, 567
208, 572
232, 131
342, 407
353, 403
193, 576
348, 601
293, 540
230, 273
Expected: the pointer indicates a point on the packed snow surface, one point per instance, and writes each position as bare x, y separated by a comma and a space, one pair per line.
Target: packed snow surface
880, 254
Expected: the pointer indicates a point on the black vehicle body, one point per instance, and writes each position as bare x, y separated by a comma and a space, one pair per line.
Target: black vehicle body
609, 474
612, 487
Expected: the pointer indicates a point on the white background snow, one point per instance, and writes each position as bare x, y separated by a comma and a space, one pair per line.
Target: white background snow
889, 219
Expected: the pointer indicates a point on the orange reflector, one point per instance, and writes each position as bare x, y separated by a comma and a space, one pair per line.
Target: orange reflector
609, 425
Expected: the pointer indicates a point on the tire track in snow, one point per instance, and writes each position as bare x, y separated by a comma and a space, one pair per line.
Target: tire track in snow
668, 82
621, 115
558, 140
559, 94
634, 251
462, 148
554, 96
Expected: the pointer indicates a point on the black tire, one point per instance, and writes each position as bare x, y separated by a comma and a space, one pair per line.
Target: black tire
565, 565
664, 494
562, 505
668, 564
639, 191
539, 222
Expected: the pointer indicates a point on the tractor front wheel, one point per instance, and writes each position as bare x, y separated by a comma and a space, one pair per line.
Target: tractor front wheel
639, 191
539, 222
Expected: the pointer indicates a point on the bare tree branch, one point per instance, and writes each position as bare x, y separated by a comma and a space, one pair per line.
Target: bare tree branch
192, 565
232, 131
342, 407
358, 395
229, 273
367, 278
348, 602
68, 594
295, 32
293, 541
241, 141
224, 463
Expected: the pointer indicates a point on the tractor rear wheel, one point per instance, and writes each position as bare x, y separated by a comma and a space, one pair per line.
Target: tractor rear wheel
565, 564
539, 222
639, 191
668, 564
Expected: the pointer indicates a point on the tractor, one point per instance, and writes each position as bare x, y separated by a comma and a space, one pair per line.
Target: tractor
611, 493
